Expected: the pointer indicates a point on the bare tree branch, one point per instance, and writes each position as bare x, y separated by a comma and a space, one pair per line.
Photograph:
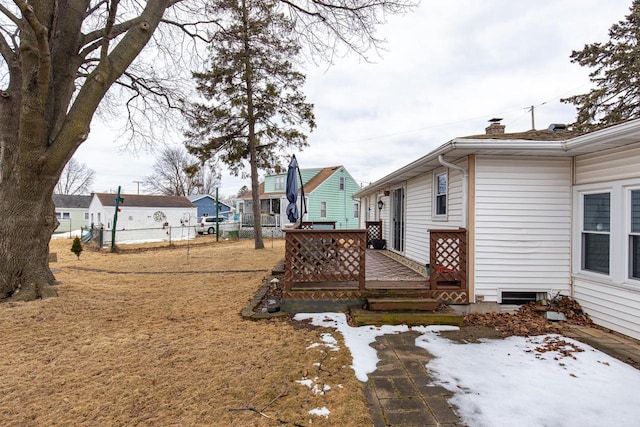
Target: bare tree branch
9, 15
97, 6
116, 30
106, 37
76, 178
185, 27
44, 53
5, 49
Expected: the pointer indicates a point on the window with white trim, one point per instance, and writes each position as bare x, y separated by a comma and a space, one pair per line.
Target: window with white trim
596, 230
278, 183
63, 215
342, 183
356, 210
440, 196
323, 209
634, 236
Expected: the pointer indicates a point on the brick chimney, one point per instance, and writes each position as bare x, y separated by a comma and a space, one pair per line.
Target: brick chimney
495, 127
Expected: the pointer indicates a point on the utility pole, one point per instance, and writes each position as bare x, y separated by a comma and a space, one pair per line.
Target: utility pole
115, 220
138, 182
533, 119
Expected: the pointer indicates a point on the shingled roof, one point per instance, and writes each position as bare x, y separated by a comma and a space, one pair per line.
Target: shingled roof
530, 135
145, 201
62, 201
309, 186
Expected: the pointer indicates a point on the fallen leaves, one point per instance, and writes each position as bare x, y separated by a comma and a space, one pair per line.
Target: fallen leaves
529, 319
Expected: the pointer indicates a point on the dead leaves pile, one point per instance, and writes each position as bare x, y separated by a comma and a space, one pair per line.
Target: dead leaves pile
530, 320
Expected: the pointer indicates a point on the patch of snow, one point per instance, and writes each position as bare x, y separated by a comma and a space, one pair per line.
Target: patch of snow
321, 412
307, 382
511, 381
320, 390
358, 339
330, 341
497, 382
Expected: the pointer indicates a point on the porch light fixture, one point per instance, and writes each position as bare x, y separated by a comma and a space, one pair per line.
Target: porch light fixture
380, 204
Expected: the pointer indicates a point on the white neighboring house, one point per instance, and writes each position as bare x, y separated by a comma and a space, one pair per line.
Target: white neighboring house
140, 211
542, 212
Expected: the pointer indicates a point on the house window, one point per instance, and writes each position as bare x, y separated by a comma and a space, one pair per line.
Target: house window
323, 209
279, 183
342, 183
634, 236
86, 216
596, 227
441, 194
356, 210
63, 215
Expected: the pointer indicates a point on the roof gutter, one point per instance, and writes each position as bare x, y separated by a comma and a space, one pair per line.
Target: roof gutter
465, 185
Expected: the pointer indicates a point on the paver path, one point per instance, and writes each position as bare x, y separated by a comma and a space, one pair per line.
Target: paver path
400, 392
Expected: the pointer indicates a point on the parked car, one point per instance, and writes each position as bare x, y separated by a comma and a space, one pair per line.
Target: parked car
207, 224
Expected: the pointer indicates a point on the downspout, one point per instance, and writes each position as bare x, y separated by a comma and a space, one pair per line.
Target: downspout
465, 186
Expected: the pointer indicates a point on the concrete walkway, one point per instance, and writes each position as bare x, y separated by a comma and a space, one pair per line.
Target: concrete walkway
615, 345
400, 392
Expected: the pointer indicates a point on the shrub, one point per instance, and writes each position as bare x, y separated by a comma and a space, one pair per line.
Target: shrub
76, 247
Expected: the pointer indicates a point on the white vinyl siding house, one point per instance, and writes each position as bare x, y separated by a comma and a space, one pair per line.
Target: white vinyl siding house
420, 214
544, 212
141, 211
607, 289
522, 225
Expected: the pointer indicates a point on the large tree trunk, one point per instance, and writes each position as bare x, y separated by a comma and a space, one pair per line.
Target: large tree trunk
28, 220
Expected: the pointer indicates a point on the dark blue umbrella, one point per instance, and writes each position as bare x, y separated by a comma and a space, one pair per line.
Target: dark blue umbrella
292, 190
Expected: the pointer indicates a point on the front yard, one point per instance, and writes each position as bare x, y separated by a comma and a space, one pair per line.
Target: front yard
154, 337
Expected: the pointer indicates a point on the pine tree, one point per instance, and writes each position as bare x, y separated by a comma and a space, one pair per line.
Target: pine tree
254, 105
76, 246
616, 74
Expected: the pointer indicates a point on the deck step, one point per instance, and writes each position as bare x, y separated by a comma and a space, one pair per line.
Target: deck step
402, 304
363, 317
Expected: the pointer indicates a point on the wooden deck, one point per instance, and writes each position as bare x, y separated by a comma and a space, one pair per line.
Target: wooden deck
333, 270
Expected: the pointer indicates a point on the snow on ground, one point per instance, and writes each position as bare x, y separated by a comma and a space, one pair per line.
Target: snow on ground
511, 381
67, 235
321, 412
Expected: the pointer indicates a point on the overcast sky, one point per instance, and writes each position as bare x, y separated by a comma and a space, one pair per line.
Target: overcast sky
448, 68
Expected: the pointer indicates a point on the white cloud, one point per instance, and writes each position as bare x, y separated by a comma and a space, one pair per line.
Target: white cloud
448, 68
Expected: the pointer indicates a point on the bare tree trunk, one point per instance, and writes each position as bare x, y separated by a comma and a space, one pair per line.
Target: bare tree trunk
253, 151
28, 220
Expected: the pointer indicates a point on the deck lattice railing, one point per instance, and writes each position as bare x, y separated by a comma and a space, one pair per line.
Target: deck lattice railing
374, 231
448, 259
327, 258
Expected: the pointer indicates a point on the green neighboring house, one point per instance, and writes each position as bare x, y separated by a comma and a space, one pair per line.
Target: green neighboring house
72, 212
328, 193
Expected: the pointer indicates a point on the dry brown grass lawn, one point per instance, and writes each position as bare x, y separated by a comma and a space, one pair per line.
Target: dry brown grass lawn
155, 338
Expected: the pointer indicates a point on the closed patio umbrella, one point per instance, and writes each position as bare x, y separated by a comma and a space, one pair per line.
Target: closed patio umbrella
292, 190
